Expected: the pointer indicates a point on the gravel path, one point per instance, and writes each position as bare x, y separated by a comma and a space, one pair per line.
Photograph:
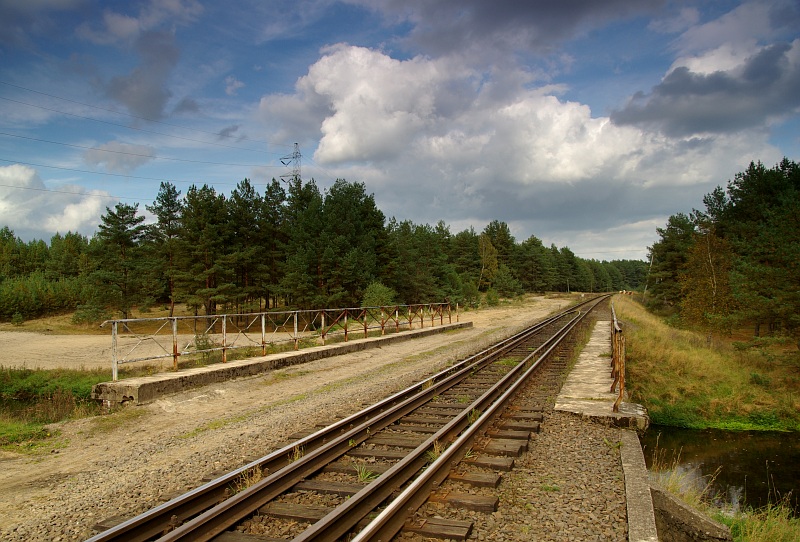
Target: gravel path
125, 463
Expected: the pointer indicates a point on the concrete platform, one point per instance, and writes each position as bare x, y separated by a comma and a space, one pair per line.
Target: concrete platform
146, 389
587, 389
587, 393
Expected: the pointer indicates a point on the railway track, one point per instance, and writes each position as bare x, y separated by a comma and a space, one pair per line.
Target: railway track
362, 477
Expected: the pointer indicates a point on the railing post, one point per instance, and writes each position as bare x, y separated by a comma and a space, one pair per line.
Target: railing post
345, 325
323, 328
175, 353
114, 351
263, 334
296, 336
224, 338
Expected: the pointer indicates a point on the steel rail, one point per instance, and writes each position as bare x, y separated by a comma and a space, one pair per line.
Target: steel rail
346, 516
227, 513
391, 520
356, 427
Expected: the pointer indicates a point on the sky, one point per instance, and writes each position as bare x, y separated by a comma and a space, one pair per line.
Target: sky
584, 123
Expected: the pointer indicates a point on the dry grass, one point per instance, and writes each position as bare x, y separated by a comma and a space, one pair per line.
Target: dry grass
685, 382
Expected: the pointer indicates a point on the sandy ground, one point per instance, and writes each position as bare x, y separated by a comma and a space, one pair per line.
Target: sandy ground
27, 482
40, 351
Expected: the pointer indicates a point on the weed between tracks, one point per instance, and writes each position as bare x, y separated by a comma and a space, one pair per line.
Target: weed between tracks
435, 452
364, 474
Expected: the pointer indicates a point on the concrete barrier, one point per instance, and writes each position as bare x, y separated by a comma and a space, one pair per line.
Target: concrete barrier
678, 522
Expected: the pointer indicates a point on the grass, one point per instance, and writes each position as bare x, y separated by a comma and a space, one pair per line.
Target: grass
364, 474
435, 452
31, 399
684, 382
729, 384
772, 523
248, 478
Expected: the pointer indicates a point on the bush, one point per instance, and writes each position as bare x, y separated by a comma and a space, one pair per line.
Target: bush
378, 295
492, 298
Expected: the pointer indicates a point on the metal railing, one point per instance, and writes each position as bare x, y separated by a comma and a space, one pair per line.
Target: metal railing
617, 359
148, 339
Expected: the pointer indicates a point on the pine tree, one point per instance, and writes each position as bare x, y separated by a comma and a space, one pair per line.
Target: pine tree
117, 256
165, 237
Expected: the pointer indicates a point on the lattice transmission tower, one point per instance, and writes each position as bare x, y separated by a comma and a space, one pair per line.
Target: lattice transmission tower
293, 161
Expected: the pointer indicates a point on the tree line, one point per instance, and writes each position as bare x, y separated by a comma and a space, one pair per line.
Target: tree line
737, 262
291, 247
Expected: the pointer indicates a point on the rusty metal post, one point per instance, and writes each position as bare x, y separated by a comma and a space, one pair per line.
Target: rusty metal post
224, 338
456, 312
175, 352
323, 328
114, 351
621, 372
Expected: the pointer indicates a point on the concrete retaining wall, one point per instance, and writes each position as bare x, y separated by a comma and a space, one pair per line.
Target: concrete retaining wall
678, 522
146, 389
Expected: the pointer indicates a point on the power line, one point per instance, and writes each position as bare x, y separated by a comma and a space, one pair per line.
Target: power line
70, 193
245, 138
104, 173
130, 153
131, 127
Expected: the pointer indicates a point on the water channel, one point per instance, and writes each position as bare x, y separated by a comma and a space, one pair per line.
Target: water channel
749, 468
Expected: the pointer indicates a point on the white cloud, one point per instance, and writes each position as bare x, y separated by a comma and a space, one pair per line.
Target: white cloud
435, 140
34, 211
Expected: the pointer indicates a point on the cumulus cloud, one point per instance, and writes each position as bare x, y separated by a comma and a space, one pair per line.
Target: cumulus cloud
119, 157
435, 141
750, 94
456, 26
35, 211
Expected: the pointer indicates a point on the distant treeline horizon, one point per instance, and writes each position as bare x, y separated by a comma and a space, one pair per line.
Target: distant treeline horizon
292, 246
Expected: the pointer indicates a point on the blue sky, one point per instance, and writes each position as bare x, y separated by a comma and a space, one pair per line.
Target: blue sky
584, 123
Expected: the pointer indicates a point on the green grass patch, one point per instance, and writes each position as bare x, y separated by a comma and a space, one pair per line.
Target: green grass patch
31, 399
685, 382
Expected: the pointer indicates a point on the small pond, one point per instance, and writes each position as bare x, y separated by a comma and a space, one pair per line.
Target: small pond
751, 467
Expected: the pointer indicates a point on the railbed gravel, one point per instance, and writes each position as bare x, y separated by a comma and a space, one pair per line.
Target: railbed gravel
137, 474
